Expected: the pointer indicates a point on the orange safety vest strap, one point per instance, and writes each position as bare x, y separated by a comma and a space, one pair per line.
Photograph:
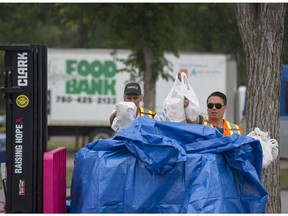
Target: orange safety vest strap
146, 112
228, 127
206, 121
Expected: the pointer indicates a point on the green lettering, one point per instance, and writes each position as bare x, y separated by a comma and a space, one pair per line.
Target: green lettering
100, 87
71, 87
97, 86
110, 69
110, 87
84, 87
70, 66
83, 68
96, 69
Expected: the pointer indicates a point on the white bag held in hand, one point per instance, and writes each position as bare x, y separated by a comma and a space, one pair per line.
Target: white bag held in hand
125, 113
173, 110
181, 102
269, 146
191, 103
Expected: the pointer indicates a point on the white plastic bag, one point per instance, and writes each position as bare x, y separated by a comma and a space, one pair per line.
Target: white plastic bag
191, 103
181, 102
269, 146
125, 113
173, 110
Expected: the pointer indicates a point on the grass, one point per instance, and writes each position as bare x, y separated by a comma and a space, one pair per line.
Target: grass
71, 150
67, 142
284, 179
69, 172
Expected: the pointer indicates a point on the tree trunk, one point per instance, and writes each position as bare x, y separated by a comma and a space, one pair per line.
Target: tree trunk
149, 86
261, 28
83, 34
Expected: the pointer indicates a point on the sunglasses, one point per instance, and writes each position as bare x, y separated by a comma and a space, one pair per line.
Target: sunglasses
217, 105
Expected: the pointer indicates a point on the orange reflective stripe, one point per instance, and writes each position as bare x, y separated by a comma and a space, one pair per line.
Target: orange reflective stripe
231, 128
238, 129
206, 121
150, 113
141, 111
146, 112
228, 128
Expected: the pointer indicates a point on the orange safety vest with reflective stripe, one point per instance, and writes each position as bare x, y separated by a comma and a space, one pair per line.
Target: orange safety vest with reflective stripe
146, 112
228, 127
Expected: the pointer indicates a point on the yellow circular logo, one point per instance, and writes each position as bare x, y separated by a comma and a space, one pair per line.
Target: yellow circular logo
22, 101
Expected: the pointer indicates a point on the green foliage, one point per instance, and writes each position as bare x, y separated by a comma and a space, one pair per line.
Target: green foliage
212, 28
285, 41
29, 23
161, 27
284, 178
87, 25
143, 28
139, 27
146, 28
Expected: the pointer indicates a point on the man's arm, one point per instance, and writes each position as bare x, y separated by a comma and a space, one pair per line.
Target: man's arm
112, 117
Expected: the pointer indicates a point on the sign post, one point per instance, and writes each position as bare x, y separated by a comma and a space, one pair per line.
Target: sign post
25, 90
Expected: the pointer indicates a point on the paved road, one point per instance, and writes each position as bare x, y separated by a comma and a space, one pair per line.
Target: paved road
284, 201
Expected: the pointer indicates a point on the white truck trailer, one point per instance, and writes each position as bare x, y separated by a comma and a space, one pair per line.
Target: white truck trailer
84, 87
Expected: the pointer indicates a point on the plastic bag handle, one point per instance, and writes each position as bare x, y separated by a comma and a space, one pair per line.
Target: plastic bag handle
184, 80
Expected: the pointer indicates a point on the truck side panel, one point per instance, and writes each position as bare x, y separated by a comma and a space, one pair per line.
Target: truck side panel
84, 85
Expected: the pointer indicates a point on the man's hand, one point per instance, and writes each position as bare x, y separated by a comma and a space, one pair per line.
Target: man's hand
181, 71
112, 117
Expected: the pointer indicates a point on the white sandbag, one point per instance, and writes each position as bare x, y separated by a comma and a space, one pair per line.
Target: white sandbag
181, 102
125, 113
269, 146
173, 110
191, 103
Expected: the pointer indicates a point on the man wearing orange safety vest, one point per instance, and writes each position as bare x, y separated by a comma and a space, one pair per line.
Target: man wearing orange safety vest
132, 93
216, 108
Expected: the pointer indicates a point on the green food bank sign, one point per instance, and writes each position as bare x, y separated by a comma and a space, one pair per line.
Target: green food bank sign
103, 77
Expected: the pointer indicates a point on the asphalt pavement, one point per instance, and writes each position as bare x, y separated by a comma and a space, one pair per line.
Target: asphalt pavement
284, 201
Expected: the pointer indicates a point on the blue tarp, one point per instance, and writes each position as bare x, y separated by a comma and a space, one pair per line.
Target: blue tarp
166, 167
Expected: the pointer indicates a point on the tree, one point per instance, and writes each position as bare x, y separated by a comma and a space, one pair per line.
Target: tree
148, 30
285, 45
212, 28
261, 28
29, 23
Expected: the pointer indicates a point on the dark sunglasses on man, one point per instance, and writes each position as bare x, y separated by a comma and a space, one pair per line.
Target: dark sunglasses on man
217, 105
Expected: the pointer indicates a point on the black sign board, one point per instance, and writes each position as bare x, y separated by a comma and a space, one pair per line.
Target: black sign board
25, 90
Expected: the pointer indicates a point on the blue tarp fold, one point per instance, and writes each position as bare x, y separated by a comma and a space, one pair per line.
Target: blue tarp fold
166, 167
